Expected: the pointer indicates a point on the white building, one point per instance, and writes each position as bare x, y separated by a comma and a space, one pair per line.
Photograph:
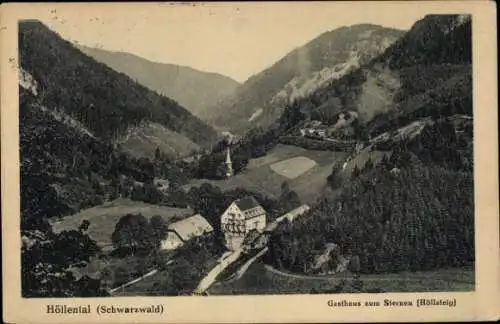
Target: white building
319, 131
242, 216
184, 230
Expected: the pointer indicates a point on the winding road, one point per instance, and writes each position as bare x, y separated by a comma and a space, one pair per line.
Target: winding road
222, 264
363, 278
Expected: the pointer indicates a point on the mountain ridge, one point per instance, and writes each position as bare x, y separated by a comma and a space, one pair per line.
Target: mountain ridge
414, 65
192, 88
268, 90
105, 101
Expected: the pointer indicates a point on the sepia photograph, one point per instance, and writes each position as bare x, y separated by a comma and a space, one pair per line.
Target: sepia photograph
224, 149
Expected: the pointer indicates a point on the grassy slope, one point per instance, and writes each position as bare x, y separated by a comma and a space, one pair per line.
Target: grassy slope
103, 218
144, 139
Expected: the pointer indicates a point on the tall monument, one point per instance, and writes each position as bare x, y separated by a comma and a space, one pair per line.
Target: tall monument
229, 163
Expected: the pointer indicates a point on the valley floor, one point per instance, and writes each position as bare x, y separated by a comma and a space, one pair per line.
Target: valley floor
261, 279
267, 173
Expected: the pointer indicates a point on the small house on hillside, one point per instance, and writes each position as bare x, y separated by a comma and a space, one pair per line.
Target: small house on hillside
313, 132
241, 217
184, 230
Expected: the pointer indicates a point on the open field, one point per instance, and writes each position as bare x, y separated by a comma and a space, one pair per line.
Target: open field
312, 183
260, 177
294, 167
259, 280
144, 139
103, 218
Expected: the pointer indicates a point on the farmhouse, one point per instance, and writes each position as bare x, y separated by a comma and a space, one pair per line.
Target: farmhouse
182, 231
313, 128
319, 131
241, 217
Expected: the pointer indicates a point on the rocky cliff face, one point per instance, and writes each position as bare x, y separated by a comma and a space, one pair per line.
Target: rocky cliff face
366, 45
261, 99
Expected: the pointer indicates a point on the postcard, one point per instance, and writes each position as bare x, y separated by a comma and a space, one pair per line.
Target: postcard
245, 162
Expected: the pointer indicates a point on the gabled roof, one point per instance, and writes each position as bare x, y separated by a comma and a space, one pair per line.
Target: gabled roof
190, 227
247, 203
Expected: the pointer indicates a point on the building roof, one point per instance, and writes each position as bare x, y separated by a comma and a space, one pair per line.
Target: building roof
190, 227
291, 215
247, 203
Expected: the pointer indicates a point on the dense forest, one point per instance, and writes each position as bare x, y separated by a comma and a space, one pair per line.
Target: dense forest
413, 211
61, 167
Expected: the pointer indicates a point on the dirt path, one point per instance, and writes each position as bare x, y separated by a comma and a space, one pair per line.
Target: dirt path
210, 278
152, 272
243, 269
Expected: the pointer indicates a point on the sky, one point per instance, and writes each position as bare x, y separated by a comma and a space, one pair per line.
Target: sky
233, 39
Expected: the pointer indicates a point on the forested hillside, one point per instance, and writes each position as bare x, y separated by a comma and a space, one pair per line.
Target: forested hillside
62, 166
260, 100
106, 102
195, 90
414, 210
